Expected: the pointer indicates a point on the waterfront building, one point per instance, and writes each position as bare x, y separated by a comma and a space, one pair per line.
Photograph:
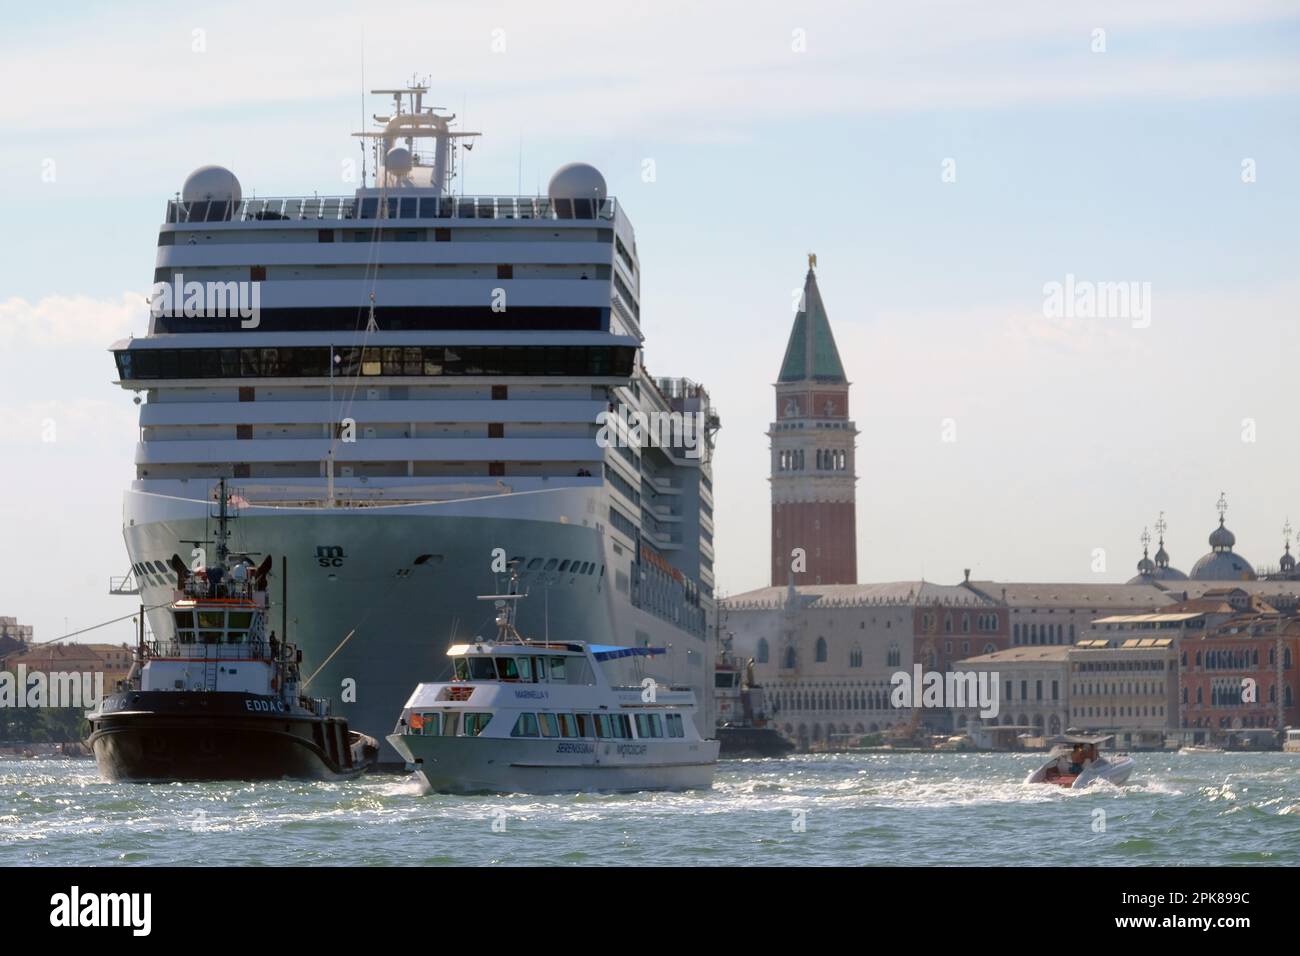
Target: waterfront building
1060, 613
1241, 674
1032, 689
814, 522
827, 653
1127, 685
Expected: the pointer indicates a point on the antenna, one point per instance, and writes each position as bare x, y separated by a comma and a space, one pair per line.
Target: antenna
362, 143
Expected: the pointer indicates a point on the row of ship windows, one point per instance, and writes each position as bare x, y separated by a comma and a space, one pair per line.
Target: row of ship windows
580, 361
393, 207
574, 726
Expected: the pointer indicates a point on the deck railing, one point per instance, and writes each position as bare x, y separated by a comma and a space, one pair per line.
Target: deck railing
399, 207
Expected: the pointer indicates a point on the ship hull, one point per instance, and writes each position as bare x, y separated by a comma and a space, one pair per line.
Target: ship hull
466, 765
376, 595
753, 742
155, 737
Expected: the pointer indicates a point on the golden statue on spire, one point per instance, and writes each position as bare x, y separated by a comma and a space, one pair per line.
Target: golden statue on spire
812, 260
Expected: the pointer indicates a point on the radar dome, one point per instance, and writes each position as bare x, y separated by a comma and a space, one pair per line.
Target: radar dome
397, 161
213, 184
577, 181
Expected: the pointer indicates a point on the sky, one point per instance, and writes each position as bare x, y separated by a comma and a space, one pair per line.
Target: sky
946, 161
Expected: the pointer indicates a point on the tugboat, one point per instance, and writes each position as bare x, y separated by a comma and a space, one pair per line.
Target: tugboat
743, 729
223, 700
525, 716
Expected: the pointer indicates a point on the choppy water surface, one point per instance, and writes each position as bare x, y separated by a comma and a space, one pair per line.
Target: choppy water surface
876, 809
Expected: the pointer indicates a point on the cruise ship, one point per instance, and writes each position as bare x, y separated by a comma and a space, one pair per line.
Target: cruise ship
409, 392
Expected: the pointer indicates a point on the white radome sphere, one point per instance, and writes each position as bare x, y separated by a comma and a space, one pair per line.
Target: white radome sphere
213, 184
398, 161
577, 181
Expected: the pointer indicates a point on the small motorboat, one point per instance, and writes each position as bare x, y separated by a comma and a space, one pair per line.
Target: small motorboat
1200, 749
1075, 762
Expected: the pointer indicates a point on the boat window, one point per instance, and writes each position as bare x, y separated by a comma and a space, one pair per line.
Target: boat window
506, 669
534, 564
525, 665
643, 725
461, 668
579, 671
675, 728
564, 566
241, 619
539, 665
550, 565
428, 725
475, 724
586, 726
603, 726
568, 726
185, 637
210, 637
184, 619
656, 726
212, 619
449, 723
557, 669
481, 668
525, 726
549, 727
622, 726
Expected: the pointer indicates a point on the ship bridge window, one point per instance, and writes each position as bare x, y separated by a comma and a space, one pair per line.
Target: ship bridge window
557, 669
216, 619
507, 669
481, 668
475, 724
185, 619
525, 726
460, 667
525, 665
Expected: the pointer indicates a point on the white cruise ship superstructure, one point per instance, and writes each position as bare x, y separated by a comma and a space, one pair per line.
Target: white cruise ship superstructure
411, 406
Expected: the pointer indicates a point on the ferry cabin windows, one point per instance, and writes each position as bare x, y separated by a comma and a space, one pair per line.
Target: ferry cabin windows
588, 726
525, 726
475, 724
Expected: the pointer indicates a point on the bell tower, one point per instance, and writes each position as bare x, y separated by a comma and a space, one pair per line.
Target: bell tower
813, 441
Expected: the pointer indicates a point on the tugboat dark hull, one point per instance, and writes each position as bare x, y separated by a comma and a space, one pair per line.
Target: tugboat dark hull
752, 742
157, 737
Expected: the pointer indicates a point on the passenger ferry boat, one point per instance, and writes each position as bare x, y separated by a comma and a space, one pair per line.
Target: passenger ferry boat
523, 716
419, 394
222, 699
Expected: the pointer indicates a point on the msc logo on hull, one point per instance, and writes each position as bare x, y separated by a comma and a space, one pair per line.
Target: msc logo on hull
330, 556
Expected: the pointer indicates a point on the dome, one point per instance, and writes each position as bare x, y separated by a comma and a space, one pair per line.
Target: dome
213, 184
1146, 566
1221, 539
1223, 566
1288, 561
397, 161
577, 181
1166, 573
